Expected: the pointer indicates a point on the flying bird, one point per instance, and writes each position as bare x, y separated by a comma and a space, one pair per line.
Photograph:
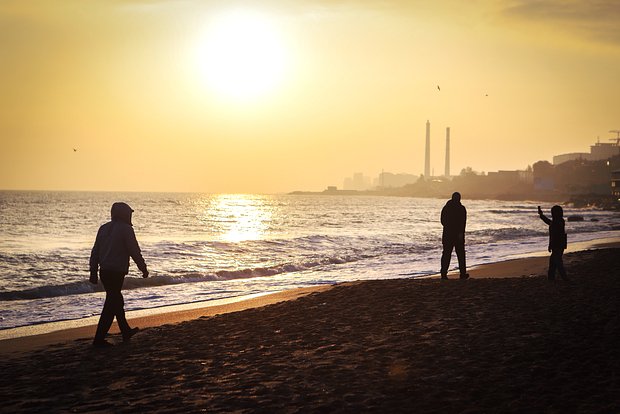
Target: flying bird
74, 149
438, 88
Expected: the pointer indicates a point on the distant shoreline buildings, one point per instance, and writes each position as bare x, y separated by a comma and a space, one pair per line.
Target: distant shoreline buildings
360, 182
595, 172
598, 151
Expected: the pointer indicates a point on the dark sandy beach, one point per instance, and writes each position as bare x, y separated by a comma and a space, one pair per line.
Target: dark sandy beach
509, 345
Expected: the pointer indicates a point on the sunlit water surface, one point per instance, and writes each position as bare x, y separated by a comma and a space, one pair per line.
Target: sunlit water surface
202, 247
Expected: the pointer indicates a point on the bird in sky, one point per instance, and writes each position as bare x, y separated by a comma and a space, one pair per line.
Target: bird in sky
438, 88
74, 149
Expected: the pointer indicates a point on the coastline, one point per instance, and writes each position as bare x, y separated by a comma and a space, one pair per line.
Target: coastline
536, 263
510, 345
28, 338
33, 337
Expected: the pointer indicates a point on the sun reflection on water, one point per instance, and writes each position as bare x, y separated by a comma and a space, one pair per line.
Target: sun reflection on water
245, 217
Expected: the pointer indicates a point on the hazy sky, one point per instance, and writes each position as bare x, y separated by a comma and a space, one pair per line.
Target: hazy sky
280, 95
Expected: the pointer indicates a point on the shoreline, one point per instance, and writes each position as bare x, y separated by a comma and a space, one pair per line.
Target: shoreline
32, 337
509, 345
49, 327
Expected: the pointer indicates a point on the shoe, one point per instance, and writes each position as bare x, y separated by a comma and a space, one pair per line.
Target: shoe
464, 276
131, 332
102, 344
444, 277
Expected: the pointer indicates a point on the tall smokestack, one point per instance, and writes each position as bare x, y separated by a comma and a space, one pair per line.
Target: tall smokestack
447, 172
427, 159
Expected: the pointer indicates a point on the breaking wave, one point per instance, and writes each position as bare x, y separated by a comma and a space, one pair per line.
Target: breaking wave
85, 287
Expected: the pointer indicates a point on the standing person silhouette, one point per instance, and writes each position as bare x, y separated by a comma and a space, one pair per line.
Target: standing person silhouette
115, 243
557, 241
453, 220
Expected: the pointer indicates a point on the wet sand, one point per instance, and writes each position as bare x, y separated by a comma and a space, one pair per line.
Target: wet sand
517, 344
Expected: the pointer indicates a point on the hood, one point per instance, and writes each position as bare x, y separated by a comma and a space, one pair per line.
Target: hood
456, 197
121, 212
453, 203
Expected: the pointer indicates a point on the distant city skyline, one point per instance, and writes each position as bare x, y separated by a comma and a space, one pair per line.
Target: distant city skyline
359, 181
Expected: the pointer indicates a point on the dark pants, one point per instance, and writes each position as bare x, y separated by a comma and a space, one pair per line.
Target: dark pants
450, 243
556, 263
113, 306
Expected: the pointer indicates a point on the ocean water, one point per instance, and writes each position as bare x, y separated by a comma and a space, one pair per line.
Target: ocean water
202, 247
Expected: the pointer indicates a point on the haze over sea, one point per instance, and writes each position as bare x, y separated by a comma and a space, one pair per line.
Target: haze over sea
202, 247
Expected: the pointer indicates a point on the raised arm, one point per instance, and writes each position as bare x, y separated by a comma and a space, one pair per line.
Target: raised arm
543, 217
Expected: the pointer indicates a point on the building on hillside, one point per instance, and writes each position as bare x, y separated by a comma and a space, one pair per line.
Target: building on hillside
498, 182
615, 183
512, 176
603, 151
390, 180
561, 159
598, 151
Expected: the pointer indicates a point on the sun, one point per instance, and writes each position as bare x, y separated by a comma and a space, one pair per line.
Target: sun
242, 56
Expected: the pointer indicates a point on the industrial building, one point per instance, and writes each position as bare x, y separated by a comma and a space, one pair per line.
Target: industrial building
598, 151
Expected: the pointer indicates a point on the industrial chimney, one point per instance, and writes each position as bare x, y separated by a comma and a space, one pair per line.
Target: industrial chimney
427, 159
447, 171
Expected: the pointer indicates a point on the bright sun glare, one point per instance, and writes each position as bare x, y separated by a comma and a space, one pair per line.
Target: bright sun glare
242, 56
247, 217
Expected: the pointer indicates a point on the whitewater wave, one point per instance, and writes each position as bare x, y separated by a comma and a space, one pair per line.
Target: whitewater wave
505, 234
85, 287
514, 212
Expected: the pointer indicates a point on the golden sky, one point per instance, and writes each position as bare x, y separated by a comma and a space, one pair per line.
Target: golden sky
280, 95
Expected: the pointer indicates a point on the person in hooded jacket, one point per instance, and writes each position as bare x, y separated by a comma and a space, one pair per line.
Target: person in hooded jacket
453, 220
115, 244
557, 241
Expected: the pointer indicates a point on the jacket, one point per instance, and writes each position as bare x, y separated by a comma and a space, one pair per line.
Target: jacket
557, 232
453, 219
115, 244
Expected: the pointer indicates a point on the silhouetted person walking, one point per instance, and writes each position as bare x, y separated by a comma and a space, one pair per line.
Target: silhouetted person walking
453, 220
115, 243
557, 241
